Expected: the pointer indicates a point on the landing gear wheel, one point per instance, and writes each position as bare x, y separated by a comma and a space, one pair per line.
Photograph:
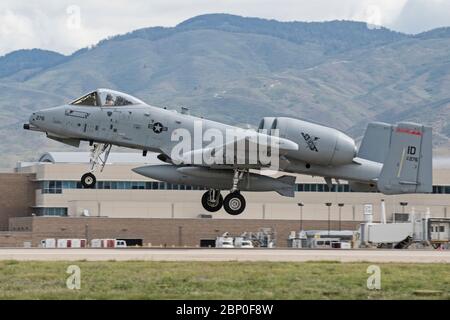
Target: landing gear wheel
234, 204
88, 180
212, 205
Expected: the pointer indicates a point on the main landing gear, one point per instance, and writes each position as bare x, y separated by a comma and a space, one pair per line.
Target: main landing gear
234, 203
99, 156
212, 200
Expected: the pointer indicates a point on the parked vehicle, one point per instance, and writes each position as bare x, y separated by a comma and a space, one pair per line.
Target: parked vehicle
48, 243
225, 241
63, 243
71, 243
108, 243
240, 242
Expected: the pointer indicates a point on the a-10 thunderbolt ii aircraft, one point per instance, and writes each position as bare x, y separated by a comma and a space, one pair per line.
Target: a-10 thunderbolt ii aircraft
392, 159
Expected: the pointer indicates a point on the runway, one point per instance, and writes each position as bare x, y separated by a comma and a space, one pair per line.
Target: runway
288, 255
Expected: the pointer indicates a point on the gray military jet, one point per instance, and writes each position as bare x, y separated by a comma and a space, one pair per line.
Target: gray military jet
392, 159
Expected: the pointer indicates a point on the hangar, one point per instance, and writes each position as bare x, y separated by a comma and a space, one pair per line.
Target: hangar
45, 199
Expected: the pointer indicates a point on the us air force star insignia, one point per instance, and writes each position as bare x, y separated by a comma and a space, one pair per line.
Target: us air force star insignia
158, 128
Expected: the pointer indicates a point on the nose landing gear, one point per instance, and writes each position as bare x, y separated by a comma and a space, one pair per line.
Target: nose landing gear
88, 180
99, 156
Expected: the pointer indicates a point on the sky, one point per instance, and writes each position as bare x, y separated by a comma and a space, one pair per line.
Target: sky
68, 25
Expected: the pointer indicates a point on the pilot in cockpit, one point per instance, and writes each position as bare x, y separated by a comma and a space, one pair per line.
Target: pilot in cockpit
109, 100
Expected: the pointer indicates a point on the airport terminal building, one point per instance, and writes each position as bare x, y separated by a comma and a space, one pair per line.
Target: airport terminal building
45, 199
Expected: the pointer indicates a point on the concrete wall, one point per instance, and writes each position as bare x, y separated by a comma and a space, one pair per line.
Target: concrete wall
164, 232
15, 239
17, 196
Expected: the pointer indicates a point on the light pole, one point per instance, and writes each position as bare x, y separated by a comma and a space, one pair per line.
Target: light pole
86, 233
301, 205
340, 215
328, 204
403, 204
180, 236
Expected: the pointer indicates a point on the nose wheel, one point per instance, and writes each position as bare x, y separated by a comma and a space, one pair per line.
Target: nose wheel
88, 180
212, 200
99, 156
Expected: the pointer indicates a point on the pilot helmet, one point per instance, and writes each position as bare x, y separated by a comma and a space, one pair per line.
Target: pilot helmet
109, 97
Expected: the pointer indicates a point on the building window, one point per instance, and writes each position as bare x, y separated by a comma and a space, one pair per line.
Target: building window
51, 187
441, 189
69, 184
57, 187
59, 212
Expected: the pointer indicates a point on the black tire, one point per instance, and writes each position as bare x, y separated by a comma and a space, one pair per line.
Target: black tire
234, 204
210, 206
88, 180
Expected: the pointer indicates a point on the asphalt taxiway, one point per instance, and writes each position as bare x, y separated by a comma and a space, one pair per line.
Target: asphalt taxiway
291, 255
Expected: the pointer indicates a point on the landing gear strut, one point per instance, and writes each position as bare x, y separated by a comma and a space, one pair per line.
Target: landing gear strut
234, 203
99, 156
212, 200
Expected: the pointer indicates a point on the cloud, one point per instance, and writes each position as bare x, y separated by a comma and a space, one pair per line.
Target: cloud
423, 15
51, 24
380, 12
16, 31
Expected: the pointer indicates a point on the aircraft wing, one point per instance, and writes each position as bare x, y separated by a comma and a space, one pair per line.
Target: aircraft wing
244, 152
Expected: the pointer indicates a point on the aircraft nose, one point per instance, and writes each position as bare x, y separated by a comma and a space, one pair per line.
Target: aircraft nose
40, 119
32, 118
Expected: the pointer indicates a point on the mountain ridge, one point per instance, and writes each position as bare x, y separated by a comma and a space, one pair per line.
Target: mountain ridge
238, 70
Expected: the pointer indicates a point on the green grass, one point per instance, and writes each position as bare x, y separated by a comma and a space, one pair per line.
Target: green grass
222, 280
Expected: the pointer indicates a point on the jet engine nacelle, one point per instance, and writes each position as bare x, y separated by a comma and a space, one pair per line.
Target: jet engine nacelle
267, 124
317, 144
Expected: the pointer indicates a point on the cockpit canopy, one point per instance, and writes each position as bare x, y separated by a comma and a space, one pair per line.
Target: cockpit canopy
106, 98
